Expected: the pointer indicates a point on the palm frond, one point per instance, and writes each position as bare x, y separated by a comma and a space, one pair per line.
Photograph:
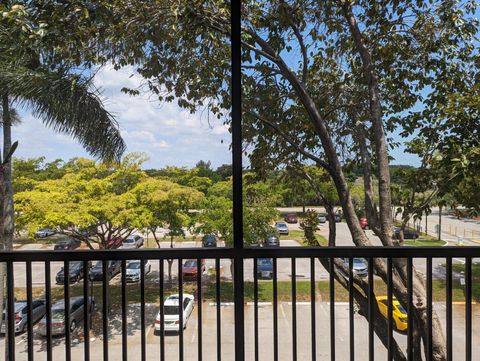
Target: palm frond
67, 104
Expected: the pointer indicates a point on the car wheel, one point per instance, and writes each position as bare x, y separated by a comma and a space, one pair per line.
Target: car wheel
73, 325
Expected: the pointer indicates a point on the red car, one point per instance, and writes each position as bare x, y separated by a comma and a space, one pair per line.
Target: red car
363, 223
291, 218
189, 269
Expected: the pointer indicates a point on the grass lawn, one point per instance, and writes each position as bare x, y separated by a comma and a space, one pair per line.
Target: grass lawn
297, 235
265, 291
420, 242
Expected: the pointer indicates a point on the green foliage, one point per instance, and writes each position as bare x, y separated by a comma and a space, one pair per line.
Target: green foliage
310, 226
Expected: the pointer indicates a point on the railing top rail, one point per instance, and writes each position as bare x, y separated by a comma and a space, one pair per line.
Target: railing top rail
281, 252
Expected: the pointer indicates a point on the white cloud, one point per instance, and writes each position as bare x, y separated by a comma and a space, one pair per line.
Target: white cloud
169, 134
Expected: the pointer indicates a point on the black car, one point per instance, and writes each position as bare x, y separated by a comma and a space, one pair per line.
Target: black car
209, 240
96, 272
66, 244
407, 234
75, 270
271, 241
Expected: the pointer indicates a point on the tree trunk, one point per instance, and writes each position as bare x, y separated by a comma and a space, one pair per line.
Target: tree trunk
381, 149
8, 211
332, 226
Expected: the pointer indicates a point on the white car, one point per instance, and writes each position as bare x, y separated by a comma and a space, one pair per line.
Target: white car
172, 313
134, 241
133, 271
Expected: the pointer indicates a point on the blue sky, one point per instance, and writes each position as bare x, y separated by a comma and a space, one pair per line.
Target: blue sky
166, 133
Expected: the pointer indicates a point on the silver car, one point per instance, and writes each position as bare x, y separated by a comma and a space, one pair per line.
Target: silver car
58, 316
133, 270
21, 314
134, 241
360, 266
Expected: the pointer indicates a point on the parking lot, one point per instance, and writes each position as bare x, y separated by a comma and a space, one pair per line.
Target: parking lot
265, 335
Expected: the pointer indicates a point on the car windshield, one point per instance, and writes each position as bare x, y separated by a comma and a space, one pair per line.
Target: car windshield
401, 309
58, 314
264, 262
358, 262
190, 264
129, 240
133, 265
171, 310
209, 238
281, 225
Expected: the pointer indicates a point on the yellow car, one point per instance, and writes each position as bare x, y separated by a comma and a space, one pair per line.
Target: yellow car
400, 317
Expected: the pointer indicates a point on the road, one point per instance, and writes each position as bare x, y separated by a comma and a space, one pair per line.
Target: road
265, 312
284, 265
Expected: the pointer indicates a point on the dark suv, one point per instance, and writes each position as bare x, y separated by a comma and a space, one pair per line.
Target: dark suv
96, 272
75, 270
66, 244
209, 240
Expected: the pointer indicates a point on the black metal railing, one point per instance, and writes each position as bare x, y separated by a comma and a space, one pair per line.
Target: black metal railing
308, 331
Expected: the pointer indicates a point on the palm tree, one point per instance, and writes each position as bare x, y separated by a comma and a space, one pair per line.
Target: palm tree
67, 103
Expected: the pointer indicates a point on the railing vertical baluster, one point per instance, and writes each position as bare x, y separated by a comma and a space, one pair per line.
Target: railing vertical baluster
218, 305
294, 309
371, 310
468, 309
124, 312
429, 309
275, 311
180, 308
48, 301
87, 313
66, 290
312, 309
350, 309
332, 308
105, 307
162, 315
29, 312
10, 312
410, 309
390, 309
199, 302
142, 310
449, 309
255, 307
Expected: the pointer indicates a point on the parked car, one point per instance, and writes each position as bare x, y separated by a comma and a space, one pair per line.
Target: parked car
96, 272
21, 314
360, 266
134, 271
114, 242
67, 244
75, 272
209, 240
400, 316
58, 315
44, 233
407, 233
271, 241
282, 228
189, 269
338, 218
291, 218
134, 241
264, 268
171, 312
322, 218
364, 223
